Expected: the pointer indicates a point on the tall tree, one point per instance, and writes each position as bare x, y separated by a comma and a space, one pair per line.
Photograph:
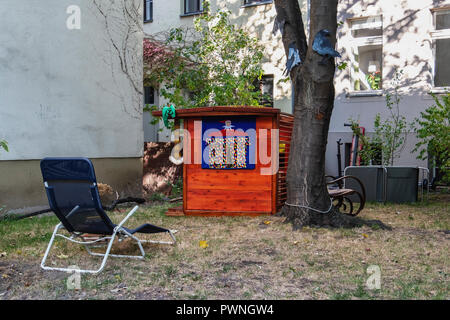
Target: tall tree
308, 202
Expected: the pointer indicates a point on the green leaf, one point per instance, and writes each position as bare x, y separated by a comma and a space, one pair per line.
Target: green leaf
4, 145
342, 66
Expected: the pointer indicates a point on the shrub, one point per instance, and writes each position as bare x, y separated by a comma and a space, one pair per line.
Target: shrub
433, 131
215, 64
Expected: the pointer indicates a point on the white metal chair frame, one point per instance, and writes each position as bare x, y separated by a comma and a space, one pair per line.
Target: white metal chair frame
119, 231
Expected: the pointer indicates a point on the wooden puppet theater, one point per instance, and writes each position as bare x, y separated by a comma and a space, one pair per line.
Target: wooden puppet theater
234, 162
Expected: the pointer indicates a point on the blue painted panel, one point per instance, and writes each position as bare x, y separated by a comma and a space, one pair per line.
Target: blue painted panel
229, 143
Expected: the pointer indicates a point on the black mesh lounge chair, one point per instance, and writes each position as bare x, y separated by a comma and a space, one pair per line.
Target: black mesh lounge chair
73, 196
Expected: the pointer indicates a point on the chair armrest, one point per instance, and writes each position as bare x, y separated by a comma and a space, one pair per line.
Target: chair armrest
334, 180
126, 218
332, 177
353, 178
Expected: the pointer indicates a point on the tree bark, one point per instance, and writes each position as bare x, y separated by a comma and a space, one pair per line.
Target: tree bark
313, 104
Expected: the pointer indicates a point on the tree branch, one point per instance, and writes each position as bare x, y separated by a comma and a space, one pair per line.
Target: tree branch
289, 11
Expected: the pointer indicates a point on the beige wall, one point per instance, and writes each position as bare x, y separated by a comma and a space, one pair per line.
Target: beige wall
22, 186
63, 92
66, 92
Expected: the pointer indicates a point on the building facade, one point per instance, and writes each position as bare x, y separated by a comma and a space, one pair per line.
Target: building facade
254, 16
65, 91
375, 38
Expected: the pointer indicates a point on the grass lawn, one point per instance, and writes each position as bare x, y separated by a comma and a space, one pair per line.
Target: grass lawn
245, 258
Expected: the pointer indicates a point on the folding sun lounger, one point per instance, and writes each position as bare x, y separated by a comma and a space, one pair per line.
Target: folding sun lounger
73, 196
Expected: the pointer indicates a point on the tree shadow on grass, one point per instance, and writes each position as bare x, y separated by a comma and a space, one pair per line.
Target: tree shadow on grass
300, 217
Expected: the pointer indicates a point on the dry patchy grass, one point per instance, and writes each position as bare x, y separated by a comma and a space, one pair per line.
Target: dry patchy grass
246, 258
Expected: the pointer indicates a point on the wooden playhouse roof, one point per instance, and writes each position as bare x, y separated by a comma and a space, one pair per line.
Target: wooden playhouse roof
222, 111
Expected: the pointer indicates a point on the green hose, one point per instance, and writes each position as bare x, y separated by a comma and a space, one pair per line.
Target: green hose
168, 112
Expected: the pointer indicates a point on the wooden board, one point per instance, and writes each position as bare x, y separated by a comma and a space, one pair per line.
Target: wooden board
286, 124
229, 192
217, 213
175, 212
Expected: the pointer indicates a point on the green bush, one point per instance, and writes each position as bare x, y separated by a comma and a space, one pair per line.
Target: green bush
433, 131
215, 64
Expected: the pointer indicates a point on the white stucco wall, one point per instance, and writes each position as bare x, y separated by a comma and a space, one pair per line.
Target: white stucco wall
407, 45
63, 92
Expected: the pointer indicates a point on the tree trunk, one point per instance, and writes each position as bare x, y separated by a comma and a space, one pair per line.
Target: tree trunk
308, 202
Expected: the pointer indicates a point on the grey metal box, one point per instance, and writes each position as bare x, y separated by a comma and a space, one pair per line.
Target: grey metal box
372, 177
391, 184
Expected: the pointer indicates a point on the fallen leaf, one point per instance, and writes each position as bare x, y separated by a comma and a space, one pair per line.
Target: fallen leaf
267, 222
203, 244
5, 276
62, 256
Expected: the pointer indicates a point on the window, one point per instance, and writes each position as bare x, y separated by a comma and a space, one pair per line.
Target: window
149, 95
148, 10
442, 19
193, 6
249, 2
366, 53
265, 86
441, 48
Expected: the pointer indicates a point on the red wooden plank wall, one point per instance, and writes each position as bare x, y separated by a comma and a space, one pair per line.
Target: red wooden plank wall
286, 125
232, 191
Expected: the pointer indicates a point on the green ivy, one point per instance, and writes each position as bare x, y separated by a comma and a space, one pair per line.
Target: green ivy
4, 145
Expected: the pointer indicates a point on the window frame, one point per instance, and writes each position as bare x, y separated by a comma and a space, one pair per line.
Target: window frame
267, 78
146, 3
256, 3
358, 42
149, 91
437, 35
259, 87
190, 13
